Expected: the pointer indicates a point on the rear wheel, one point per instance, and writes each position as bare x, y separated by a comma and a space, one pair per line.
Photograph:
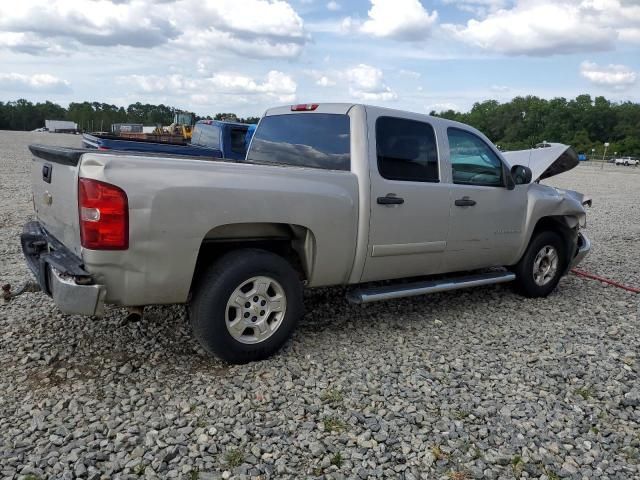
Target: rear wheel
540, 268
246, 305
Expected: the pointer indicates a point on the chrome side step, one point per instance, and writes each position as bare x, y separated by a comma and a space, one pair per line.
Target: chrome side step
388, 292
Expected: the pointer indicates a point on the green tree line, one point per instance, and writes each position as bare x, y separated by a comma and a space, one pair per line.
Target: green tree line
90, 116
586, 123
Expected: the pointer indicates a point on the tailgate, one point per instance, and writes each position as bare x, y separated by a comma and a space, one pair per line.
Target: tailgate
54, 180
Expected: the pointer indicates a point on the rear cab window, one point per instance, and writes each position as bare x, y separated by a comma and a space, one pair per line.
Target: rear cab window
206, 135
406, 150
315, 140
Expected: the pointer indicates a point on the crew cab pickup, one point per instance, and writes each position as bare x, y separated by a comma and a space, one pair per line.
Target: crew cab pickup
210, 138
387, 202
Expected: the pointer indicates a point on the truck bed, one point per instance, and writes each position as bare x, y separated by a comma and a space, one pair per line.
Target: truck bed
110, 142
178, 203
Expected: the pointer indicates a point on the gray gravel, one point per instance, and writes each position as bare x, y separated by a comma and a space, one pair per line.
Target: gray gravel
473, 384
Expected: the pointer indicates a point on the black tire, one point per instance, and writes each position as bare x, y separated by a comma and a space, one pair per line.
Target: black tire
524, 269
209, 309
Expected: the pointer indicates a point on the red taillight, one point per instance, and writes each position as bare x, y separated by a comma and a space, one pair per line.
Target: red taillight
104, 215
304, 107
104, 148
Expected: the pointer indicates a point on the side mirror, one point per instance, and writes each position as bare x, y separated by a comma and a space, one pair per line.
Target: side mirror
521, 175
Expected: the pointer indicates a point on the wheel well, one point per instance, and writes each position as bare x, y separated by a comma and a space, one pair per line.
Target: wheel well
292, 242
550, 223
559, 224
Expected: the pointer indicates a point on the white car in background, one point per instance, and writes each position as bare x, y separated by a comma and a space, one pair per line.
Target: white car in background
626, 161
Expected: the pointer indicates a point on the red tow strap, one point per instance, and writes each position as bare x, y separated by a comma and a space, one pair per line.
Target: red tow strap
581, 273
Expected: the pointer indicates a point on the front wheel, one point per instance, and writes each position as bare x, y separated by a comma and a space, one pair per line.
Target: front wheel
246, 305
540, 268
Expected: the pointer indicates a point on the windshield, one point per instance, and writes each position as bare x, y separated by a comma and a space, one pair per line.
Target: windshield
184, 119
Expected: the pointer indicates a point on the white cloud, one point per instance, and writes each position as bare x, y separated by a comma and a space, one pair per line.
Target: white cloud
160, 83
500, 88
324, 78
325, 81
249, 28
409, 73
399, 19
442, 107
478, 7
275, 86
41, 82
367, 83
616, 77
257, 28
333, 6
364, 82
534, 30
349, 25
545, 27
29, 43
630, 35
202, 66
102, 22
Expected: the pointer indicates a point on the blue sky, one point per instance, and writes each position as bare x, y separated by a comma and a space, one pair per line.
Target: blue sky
246, 55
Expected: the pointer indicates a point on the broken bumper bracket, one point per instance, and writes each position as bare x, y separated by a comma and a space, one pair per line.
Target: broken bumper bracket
60, 273
583, 248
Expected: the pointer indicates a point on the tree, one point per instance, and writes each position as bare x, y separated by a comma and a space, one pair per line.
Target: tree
583, 122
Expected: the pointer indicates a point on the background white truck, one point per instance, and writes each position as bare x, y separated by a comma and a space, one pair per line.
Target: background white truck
392, 203
626, 161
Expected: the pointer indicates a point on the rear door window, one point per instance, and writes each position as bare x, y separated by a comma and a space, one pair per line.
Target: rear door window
317, 140
406, 150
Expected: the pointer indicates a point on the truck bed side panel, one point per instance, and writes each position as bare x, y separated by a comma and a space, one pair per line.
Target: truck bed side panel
174, 203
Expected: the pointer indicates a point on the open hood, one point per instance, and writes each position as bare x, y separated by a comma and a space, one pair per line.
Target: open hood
544, 162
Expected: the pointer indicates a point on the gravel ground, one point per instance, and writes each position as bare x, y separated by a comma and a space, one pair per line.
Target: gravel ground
473, 384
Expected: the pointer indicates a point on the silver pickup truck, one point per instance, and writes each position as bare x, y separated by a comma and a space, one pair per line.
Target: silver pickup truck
390, 203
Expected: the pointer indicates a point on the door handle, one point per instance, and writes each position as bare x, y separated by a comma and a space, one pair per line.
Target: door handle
390, 199
465, 202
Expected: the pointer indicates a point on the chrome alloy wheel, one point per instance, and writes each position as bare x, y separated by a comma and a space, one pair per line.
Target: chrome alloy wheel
545, 266
255, 310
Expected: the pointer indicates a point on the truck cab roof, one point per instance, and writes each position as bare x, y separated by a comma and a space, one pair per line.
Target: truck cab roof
544, 162
344, 108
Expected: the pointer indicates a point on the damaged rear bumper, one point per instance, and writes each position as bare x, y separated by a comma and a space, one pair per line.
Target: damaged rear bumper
60, 273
